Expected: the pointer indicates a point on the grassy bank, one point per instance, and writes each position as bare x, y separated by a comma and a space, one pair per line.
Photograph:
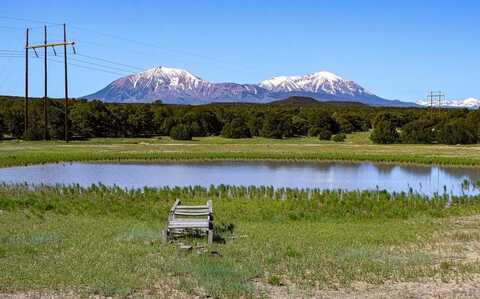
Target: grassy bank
106, 241
357, 148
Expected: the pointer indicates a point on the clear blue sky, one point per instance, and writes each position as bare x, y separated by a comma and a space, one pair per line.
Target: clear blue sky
396, 49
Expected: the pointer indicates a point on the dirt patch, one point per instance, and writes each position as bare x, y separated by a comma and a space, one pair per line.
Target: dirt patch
423, 289
456, 246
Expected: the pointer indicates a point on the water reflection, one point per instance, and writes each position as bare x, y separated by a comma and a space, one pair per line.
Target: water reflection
348, 176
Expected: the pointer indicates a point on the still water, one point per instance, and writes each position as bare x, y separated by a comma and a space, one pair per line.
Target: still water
326, 175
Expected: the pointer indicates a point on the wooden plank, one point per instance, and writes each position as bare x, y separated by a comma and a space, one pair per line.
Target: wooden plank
174, 226
186, 220
175, 205
185, 226
179, 208
190, 214
192, 220
193, 207
192, 211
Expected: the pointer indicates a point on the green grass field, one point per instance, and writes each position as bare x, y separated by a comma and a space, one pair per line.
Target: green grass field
356, 148
106, 241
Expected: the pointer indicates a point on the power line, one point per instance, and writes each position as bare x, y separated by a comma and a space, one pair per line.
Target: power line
96, 66
29, 20
89, 68
162, 48
101, 65
112, 62
136, 42
11, 28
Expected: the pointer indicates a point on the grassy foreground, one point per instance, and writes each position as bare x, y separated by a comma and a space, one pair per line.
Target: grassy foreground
291, 243
356, 148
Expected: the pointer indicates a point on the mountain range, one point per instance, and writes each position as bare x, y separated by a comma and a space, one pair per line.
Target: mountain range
176, 86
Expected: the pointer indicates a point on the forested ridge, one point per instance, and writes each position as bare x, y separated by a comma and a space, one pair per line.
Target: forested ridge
88, 119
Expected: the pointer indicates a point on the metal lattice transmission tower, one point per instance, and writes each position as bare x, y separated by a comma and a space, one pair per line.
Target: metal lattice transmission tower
45, 46
436, 99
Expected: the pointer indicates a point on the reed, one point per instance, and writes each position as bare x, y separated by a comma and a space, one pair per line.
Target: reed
29, 158
260, 203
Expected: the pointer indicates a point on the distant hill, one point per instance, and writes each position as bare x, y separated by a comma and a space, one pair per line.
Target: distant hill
305, 101
297, 101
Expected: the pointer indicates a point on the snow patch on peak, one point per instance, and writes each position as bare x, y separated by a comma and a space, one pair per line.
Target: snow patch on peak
165, 78
324, 75
166, 72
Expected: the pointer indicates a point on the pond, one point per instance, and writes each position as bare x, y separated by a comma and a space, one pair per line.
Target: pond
325, 175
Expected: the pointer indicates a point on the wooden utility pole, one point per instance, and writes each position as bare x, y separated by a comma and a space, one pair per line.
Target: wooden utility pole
26, 83
45, 46
66, 79
45, 107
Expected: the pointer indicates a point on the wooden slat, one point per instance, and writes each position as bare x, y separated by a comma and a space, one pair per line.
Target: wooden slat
192, 211
188, 225
175, 205
193, 223
181, 213
193, 207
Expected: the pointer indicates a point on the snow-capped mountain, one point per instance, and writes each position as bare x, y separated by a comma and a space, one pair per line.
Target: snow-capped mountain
176, 86
471, 103
320, 82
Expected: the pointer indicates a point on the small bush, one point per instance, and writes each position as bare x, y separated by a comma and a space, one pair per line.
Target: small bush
181, 132
339, 137
325, 134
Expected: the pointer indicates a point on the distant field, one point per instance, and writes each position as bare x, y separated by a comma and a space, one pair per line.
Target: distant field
356, 148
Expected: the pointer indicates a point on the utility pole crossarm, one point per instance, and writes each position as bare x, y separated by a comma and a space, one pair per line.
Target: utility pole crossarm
50, 45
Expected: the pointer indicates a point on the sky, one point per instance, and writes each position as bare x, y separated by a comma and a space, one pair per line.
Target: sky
395, 49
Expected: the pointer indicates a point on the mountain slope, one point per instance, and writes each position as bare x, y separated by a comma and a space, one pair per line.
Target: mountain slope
176, 86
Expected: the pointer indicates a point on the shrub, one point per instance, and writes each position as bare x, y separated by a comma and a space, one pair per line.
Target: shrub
325, 134
339, 137
181, 132
418, 131
456, 131
237, 128
384, 132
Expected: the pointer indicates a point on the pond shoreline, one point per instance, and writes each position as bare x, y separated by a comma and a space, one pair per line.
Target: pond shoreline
324, 175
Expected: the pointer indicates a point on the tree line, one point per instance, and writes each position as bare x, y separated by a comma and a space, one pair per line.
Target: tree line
88, 119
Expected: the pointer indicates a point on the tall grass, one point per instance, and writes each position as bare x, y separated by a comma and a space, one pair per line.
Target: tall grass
28, 158
259, 203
